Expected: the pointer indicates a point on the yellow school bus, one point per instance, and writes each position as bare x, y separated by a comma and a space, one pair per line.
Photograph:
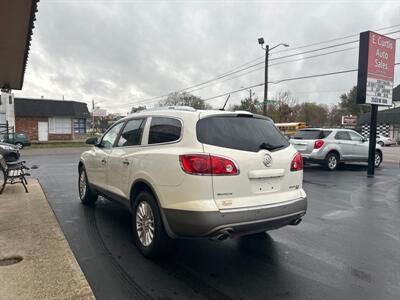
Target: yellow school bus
291, 128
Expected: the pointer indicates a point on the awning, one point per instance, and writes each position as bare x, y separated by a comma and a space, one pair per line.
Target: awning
16, 25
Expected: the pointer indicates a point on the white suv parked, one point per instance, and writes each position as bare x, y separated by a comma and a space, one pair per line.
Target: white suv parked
186, 173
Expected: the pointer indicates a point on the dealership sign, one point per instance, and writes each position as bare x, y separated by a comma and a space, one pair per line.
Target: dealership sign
349, 120
375, 69
99, 112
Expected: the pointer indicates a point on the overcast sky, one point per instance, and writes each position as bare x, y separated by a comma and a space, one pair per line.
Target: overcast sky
122, 52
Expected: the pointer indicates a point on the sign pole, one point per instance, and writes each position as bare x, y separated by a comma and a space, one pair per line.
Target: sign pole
376, 59
372, 140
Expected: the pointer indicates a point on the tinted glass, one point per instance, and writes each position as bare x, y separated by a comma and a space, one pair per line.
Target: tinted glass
241, 133
342, 135
164, 130
132, 133
311, 134
110, 137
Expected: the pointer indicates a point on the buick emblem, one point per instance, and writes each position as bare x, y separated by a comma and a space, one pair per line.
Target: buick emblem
267, 160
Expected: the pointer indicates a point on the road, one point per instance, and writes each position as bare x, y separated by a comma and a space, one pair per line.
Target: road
391, 154
347, 247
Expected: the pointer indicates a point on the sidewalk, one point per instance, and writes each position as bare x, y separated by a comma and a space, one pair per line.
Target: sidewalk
29, 229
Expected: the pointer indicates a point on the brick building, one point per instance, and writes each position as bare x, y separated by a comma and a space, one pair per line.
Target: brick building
47, 120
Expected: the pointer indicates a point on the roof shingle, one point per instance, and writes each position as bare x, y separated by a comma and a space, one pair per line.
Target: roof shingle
50, 108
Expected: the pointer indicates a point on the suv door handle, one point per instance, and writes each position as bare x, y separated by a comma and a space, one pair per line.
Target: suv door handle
126, 162
103, 161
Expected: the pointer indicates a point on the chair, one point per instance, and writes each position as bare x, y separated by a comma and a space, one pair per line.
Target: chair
12, 173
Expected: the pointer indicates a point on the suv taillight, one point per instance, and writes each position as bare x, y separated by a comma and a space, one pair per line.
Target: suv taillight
297, 163
206, 164
318, 144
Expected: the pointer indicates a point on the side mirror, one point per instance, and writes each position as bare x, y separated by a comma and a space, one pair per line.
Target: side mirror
92, 140
364, 140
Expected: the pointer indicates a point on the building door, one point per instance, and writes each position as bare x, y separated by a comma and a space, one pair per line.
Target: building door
43, 131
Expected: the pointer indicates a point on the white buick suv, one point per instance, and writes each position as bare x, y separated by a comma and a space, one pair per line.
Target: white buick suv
186, 173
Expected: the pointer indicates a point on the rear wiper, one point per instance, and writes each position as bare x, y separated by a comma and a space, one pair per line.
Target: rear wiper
270, 147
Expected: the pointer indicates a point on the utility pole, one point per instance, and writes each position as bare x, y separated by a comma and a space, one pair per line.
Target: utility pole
267, 49
265, 103
251, 98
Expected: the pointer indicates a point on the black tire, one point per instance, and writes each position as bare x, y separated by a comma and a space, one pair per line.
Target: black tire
380, 143
332, 161
87, 196
378, 159
161, 244
19, 145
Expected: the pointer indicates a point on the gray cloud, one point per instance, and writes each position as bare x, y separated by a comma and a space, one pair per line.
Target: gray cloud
119, 52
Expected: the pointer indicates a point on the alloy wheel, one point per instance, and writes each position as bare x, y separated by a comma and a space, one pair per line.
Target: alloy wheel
82, 185
332, 162
145, 223
377, 159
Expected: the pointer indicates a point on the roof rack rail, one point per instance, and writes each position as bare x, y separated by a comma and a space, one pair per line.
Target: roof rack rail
176, 107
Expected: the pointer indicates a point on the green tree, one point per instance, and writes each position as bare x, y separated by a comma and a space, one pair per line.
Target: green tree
315, 115
184, 99
335, 116
251, 105
348, 104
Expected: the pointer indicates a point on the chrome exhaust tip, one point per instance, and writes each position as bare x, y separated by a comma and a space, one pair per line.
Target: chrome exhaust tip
296, 221
222, 235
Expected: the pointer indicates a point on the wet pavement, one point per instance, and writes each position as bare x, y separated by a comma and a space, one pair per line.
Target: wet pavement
347, 247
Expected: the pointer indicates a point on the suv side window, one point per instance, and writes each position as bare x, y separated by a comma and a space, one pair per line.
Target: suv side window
109, 138
342, 135
355, 137
164, 130
132, 133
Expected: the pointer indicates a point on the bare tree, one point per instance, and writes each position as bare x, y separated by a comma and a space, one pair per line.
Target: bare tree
184, 99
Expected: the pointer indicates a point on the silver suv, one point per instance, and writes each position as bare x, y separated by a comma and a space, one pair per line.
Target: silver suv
330, 147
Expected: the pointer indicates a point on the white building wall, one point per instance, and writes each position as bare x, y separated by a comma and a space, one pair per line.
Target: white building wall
7, 109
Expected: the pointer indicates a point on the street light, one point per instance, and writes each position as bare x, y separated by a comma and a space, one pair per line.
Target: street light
267, 49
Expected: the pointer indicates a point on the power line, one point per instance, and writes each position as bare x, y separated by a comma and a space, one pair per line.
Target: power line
249, 67
334, 40
284, 80
310, 45
279, 63
327, 47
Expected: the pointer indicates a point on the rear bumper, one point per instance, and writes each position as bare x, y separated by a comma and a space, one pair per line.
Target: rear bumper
241, 221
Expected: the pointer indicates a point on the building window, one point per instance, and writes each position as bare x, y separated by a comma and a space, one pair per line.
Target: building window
9, 99
60, 125
79, 126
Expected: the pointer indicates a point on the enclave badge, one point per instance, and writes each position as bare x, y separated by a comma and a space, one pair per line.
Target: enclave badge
267, 160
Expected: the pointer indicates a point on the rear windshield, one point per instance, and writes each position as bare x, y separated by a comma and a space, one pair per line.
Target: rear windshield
241, 133
311, 134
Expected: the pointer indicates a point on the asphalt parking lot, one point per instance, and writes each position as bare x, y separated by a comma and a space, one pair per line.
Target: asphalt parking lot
347, 247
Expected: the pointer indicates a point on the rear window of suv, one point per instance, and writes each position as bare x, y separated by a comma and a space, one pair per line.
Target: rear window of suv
242, 133
311, 134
